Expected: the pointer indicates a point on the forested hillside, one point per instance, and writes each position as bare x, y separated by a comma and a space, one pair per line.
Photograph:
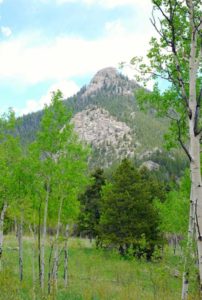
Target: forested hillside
106, 115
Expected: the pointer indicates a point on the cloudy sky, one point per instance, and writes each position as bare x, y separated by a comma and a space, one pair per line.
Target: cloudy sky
50, 44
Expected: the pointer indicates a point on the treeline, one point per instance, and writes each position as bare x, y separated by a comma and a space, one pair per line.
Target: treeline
147, 131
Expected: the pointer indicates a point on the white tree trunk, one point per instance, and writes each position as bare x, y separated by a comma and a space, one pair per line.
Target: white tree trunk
194, 137
66, 257
1, 231
189, 248
56, 258
49, 267
44, 231
33, 233
20, 229
197, 196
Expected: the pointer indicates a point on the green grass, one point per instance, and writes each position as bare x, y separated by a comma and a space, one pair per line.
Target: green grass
95, 275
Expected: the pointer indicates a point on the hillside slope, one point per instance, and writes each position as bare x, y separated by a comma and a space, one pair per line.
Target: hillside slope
106, 115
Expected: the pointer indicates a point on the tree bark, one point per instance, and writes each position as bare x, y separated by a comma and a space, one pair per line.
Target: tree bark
66, 257
1, 231
44, 231
33, 233
197, 196
20, 245
189, 248
195, 164
50, 269
56, 258
39, 243
194, 137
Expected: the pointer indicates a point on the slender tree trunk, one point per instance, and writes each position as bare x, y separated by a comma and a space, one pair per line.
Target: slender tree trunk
15, 226
39, 243
50, 269
189, 248
33, 233
20, 245
44, 231
1, 231
66, 257
56, 258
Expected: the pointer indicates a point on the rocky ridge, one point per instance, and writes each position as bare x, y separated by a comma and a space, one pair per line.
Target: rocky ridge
106, 116
110, 78
99, 129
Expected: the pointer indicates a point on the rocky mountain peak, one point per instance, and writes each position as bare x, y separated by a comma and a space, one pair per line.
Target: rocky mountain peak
109, 72
109, 79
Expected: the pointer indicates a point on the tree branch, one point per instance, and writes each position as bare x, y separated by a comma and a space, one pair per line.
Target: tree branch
179, 138
170, 20
197, 112
181, 142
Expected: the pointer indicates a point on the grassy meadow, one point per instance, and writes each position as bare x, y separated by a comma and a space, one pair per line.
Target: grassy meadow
94, 275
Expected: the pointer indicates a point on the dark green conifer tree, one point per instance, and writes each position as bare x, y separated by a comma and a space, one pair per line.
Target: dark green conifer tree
129, 221
90, 205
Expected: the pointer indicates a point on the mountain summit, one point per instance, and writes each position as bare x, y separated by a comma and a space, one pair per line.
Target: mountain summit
110, 79
106, 116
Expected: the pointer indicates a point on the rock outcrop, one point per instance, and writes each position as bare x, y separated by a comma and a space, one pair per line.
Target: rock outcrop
110, 78
99, 129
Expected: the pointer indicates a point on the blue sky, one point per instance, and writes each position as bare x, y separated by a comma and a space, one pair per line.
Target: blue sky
50, 44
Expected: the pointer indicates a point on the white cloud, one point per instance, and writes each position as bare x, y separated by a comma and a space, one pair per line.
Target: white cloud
30, 59
115, 28
65, 57
109, 3
68, 88
114, 3
6, 31
1, 1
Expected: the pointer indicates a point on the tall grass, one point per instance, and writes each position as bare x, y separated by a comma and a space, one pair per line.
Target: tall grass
96, 275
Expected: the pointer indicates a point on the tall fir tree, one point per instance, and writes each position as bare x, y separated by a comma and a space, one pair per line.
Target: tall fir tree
129, 219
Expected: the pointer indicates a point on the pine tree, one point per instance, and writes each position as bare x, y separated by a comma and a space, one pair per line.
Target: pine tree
90, 205
129, 219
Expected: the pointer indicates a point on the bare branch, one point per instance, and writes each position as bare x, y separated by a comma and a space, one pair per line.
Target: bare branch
181, 142
179, 138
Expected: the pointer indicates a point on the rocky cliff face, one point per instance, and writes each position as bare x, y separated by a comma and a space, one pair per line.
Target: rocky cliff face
110, 78
107, 118
96, 127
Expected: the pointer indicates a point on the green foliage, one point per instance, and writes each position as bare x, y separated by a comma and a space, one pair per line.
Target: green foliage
128, 216
59, 160
10, 156
90, 205
174, 211
168, 59
172, 165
